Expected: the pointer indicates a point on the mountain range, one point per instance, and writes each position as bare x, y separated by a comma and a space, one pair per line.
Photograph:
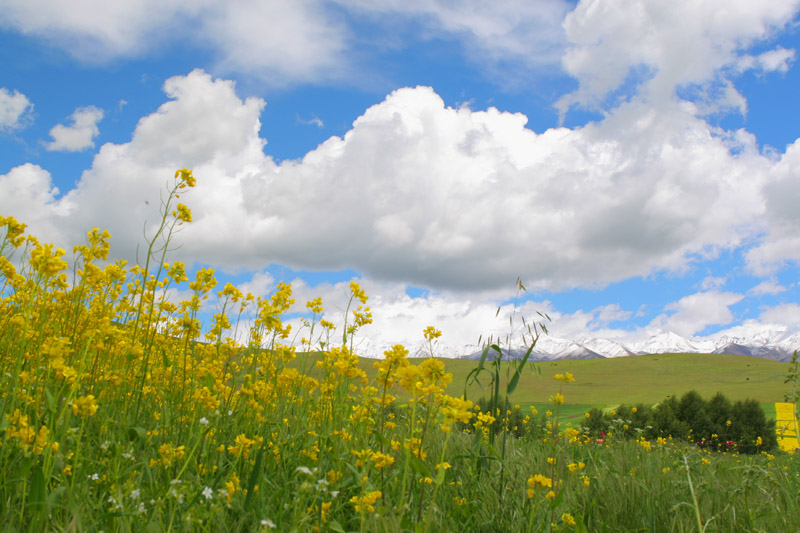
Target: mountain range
777, 345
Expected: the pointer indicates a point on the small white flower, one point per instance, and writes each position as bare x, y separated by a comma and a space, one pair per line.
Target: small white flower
304, 470
334, 493
268, 523
204, 421
135, 494
208, 493
94, 477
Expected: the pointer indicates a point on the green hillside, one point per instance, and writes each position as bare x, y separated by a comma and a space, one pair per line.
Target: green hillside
645, 378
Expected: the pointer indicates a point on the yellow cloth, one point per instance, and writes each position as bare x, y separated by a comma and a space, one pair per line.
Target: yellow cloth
786, 426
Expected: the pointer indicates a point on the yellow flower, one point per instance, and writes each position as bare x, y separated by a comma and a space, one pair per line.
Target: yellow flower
84, 406
381, 460
557, 399
358, 292
538, 480
574, 467
566, 377
366, 502
431, 333
185, 176
568, 519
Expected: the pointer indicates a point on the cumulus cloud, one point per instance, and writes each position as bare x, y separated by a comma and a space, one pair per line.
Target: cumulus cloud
781, 244
80, 134
661, 47
787, 314
692, 314
420, 193
15, 109
27, 193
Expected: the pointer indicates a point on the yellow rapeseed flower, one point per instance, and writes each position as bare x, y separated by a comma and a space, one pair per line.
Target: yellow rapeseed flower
84, 406
566, 377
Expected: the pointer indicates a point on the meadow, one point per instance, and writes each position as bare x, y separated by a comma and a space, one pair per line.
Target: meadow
121, 411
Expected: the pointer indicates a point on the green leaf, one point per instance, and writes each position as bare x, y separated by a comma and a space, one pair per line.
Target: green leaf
382, 439
557, 500
51, 402
136, 433
36, 490
441, 472
336, 526
418, 466
251, 482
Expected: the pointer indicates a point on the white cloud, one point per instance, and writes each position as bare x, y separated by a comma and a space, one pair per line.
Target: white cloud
508, 38
298, 41
778, 59
15, 109
278, 41
767, 287
260, 284
27, 193
666, 46
713, 282
785, 314
692, 314
313, 121
781, 223
80, 134
437, 197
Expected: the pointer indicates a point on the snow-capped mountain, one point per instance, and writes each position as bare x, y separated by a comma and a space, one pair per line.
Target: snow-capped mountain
605, 347
664, 343
765, 343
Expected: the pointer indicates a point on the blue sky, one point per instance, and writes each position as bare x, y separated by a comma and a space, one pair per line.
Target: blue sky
639, 170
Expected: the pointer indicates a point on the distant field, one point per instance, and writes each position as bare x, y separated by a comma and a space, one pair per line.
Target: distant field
645, 378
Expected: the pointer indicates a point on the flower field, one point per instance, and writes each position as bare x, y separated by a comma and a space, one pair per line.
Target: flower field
121, 411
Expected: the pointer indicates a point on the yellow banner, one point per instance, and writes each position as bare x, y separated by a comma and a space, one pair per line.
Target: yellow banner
786, 426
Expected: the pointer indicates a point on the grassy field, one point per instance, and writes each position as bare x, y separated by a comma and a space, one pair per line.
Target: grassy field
646, 379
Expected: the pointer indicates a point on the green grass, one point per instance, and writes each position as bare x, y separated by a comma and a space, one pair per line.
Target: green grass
646, 379
650, 378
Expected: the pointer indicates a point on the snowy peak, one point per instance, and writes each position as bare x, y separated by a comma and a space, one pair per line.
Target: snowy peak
766, 343
664, 343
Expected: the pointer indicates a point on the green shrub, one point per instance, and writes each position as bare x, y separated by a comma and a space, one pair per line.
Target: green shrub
714, 424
